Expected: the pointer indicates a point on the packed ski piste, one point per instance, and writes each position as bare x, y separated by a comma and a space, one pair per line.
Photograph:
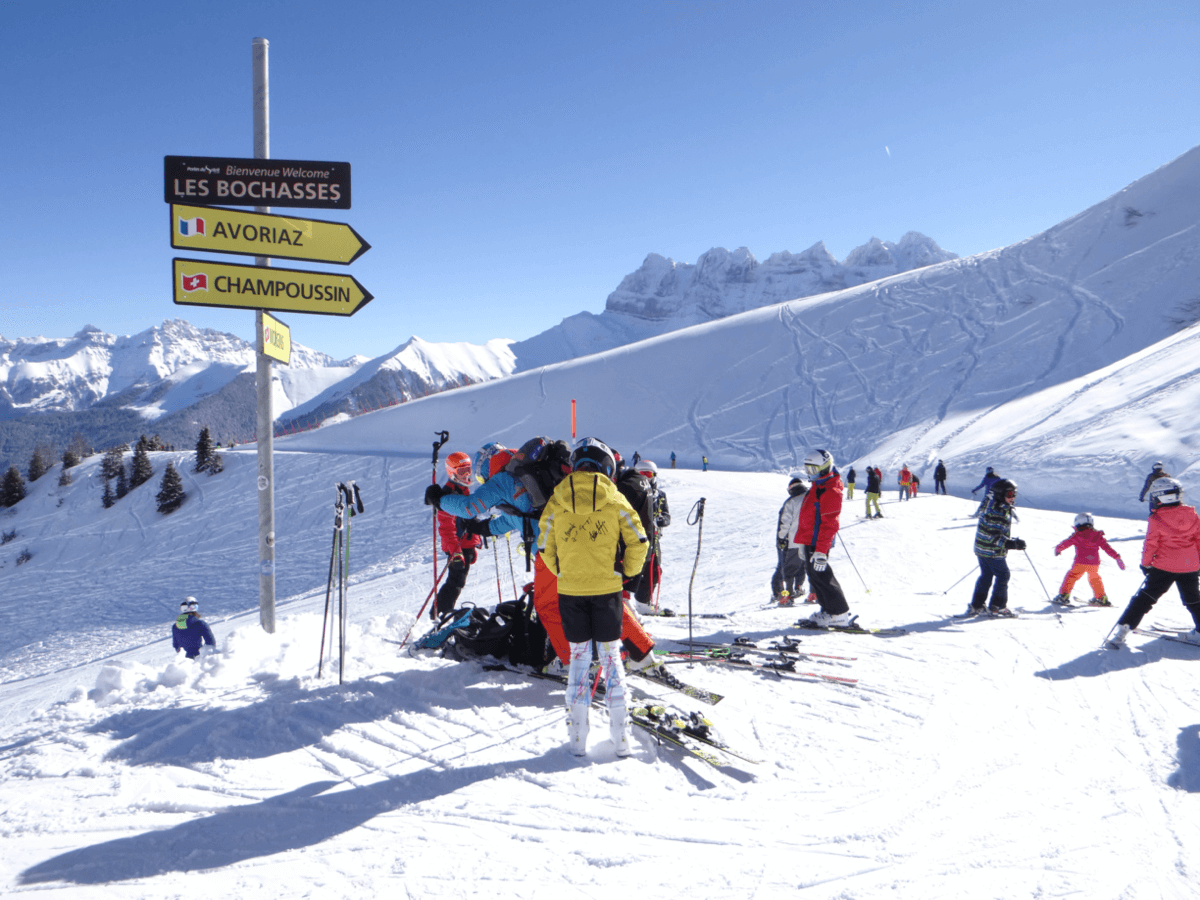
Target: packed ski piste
792, 699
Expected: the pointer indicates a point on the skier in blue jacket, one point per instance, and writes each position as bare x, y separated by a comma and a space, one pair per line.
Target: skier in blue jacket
190, 632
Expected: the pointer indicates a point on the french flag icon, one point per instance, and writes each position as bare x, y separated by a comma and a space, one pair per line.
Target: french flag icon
191, 227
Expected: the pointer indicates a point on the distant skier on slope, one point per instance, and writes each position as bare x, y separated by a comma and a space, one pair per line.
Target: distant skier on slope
992, 543
939, 478
989, 478
788, 579
190, 632
1170, 555
1088, 542
874, 479
904, 479
816, 530
851, 476
1155, 473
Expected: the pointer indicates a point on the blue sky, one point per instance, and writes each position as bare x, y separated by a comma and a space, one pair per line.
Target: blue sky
514, 161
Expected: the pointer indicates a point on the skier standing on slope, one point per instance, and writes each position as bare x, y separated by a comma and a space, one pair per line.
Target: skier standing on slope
788, 580
850, 478
874, 478
989, 478
659, 515
904, 479
190, 632
816, 530
992, 543
504, 491
459, 544
1155, 473
581, 535
939, 478
1088, 542
1170, 555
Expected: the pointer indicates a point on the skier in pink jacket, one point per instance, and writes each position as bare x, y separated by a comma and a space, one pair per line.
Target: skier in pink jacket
1088, 542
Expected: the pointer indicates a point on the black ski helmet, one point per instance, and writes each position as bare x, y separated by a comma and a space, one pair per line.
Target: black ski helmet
1003, 488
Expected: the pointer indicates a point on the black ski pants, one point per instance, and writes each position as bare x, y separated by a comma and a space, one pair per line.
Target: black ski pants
789, 573
1156, 583
993, 576
825, 586
457, 570
939, 485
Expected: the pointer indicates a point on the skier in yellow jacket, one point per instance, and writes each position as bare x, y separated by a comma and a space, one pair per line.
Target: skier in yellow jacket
588, 536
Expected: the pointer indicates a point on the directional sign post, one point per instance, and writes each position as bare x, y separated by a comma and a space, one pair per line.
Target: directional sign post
275, 340
200, 282
217, 230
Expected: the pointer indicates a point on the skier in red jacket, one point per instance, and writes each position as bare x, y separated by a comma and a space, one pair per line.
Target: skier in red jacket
816, 530
457, 543
1170, 556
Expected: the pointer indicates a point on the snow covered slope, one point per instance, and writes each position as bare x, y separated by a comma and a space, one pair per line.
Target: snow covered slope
664, 295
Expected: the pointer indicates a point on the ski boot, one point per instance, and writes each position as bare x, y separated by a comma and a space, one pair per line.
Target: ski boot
1061, 600
1102, 600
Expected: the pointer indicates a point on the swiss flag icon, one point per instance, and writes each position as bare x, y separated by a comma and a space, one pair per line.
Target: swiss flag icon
197, 282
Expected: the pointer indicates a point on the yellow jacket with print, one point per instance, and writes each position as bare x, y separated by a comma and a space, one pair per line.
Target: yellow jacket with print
580, 531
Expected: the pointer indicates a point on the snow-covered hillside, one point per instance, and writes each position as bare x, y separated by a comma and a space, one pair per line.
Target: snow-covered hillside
664, 295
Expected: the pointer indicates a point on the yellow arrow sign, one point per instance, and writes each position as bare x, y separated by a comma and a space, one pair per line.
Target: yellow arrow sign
217, 230
199, 282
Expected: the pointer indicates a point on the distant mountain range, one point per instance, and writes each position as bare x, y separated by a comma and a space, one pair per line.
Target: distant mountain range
174, 379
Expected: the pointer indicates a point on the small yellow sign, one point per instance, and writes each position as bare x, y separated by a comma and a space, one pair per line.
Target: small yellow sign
275, 340
216, 230
199, 282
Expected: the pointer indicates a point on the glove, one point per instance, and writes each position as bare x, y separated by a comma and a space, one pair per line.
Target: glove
662, 521
632, 583
469, 555
1057, 551
481, 527
820, 562
1120, 564
433, 495
1014, 544
781, 543
973, 492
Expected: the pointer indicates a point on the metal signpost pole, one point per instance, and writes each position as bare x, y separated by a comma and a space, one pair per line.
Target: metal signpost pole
265, 420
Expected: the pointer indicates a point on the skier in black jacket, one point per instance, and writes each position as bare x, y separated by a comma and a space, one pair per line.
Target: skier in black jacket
939, 478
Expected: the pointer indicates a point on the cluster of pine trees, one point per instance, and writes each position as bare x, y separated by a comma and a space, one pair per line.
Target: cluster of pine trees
118, 480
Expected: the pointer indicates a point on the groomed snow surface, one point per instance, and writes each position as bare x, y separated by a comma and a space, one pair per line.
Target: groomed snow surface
995, 758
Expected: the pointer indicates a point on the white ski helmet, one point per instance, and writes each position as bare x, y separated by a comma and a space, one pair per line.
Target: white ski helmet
1165, 492
189, 605
647, 468
1084, 519
818, 463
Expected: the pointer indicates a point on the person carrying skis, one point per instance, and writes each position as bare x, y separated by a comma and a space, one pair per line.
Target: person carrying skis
190, 632
1170, 555
939, 478
788, 579
503, 491
874, 478
850, 477
904, 479
459, 544
816, 530
989, 478
587, 536
1156, 472
1088, 542
992, 542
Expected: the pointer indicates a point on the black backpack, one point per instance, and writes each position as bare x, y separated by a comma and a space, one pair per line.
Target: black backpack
540, 464
512, 633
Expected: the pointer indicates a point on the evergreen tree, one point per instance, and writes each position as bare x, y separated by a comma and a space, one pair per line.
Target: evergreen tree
109, 499
80, 447
122, 483
142, 470
39, 462
204, 450
71, 458
13, 491
170, 494
113, 463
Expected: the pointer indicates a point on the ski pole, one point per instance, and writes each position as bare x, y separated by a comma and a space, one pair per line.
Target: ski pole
957, 583
1035, 572
437, 446
511, 570
842, 544
334, 554
695, 517
496, 558
354, 506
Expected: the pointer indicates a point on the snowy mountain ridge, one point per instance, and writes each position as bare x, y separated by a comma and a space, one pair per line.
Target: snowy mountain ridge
664, 295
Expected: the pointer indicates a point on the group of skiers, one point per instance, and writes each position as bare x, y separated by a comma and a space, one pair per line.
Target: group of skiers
592, 526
